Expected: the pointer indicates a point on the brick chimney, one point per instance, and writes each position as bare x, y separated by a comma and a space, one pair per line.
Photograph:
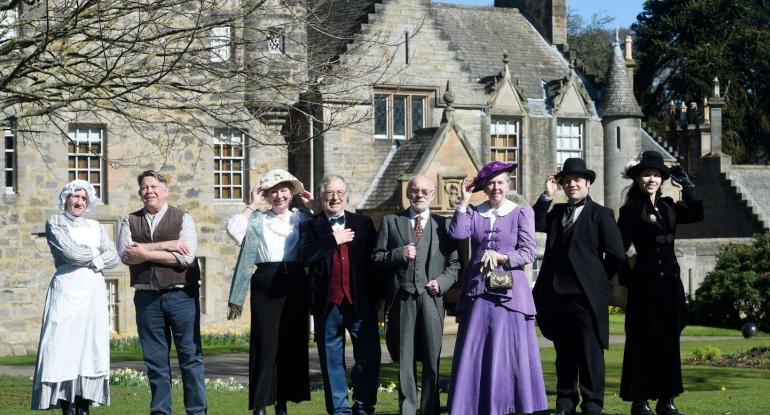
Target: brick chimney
548, 16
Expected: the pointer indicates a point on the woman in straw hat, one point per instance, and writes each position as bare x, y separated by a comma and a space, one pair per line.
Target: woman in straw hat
73, 359
278, 347
496, 368
655, 311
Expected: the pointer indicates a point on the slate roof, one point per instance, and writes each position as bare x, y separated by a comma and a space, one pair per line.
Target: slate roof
340, 20
481, 34
387, 193
618, 96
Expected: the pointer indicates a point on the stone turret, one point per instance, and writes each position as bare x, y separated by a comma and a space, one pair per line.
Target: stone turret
548, 16
621, 118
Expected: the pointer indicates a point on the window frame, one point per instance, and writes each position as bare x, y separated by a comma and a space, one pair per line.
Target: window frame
113, 303
494, 122
564, 152
221, 44
73, 140
219, 172
409, 126
275, 34
9, 132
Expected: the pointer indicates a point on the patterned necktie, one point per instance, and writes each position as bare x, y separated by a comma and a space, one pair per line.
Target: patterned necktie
417, 228
570, 211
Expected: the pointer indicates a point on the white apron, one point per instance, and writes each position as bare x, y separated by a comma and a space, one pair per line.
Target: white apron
74, 340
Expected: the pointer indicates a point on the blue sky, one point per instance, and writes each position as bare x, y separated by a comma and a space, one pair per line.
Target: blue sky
624, 11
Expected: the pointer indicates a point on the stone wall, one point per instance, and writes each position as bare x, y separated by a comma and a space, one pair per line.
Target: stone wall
25, 256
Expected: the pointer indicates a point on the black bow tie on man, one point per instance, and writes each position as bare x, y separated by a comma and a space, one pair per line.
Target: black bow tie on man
337, 220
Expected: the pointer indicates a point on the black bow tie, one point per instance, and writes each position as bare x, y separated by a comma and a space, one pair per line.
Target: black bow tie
338, 220
572, 206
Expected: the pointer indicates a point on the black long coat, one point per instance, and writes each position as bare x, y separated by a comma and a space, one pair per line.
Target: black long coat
656, 309
596, 253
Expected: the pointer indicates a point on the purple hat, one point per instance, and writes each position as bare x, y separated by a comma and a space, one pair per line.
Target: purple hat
489, 171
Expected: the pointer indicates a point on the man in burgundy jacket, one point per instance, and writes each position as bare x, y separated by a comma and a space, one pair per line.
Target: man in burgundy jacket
336, 246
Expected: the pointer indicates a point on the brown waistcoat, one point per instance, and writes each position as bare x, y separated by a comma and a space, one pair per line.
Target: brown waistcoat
167, 229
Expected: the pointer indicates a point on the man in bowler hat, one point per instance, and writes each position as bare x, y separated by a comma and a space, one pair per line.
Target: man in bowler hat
583, 250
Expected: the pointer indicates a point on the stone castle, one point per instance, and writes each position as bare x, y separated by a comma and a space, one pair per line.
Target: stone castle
465, 85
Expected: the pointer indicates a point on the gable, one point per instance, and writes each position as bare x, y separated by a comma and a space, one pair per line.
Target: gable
572, 103
506, 101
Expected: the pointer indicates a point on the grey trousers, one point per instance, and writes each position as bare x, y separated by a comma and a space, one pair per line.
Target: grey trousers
421, 325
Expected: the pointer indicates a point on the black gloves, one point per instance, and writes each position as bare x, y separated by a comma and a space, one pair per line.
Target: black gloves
679, 176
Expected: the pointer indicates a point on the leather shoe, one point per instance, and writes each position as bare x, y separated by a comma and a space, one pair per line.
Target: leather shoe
641, 408
666, 407
280, 409
560, 411
260, 411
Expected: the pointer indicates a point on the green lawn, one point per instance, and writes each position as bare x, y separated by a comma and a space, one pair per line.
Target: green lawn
709, 390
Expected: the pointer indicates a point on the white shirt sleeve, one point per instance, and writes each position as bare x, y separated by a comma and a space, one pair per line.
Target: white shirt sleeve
236, 227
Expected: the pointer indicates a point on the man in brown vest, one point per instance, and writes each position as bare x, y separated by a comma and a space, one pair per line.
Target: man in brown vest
158, 243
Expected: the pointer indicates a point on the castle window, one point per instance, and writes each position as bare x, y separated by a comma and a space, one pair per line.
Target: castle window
113, 301
85, 156
8, 21
397, 117
229, 165
275, 41
505, 145
10, 169
569, 140
220, 43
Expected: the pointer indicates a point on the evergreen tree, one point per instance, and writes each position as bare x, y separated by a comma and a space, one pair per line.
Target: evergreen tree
682, 45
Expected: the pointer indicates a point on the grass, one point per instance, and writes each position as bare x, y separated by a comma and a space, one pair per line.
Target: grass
709, 390
131, 354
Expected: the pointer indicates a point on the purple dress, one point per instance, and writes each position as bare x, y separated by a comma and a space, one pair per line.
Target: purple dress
496, 367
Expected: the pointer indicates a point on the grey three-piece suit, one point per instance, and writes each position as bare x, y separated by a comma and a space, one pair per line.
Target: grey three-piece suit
415, 318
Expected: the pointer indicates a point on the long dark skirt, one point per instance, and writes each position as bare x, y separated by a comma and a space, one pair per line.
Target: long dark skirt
278, 349
652, 367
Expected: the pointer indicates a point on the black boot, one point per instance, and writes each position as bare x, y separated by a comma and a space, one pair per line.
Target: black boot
641, 408
666, 407
280, 408
67, 408
260, 411
82, 405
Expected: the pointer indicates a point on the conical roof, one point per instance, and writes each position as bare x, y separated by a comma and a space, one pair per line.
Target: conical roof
618, 96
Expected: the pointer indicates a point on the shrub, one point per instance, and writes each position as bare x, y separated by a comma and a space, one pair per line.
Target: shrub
707, 353
738, 289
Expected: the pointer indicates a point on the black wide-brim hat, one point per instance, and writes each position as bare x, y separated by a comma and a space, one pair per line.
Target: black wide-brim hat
575, 167
649, 160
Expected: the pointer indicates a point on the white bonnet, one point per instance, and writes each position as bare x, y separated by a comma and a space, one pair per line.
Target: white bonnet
78, 184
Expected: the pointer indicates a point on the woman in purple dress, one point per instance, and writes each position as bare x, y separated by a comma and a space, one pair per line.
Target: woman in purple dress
496, 367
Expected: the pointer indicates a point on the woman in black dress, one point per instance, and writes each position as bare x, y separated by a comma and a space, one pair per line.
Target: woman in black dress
655, 311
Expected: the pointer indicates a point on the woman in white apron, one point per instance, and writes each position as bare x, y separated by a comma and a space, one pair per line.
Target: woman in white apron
73, 358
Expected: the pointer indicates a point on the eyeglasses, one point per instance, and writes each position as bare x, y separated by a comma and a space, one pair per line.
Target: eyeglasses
424, 192
330, 194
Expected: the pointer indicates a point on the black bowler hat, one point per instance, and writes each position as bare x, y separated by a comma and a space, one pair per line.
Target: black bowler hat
575, 167
649, 160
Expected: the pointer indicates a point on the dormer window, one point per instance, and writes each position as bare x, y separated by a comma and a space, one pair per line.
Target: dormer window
398, 116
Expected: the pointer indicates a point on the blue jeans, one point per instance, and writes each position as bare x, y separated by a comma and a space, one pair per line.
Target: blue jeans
366, 352
159, 316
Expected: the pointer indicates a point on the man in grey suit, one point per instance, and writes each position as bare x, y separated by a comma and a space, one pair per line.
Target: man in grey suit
419, 263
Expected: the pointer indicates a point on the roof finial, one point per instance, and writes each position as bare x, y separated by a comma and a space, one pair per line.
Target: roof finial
715, 83
617, 37
449, 99
449, 96
505, 57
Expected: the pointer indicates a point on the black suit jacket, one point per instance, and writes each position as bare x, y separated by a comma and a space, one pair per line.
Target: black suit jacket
316, 246
595, 252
